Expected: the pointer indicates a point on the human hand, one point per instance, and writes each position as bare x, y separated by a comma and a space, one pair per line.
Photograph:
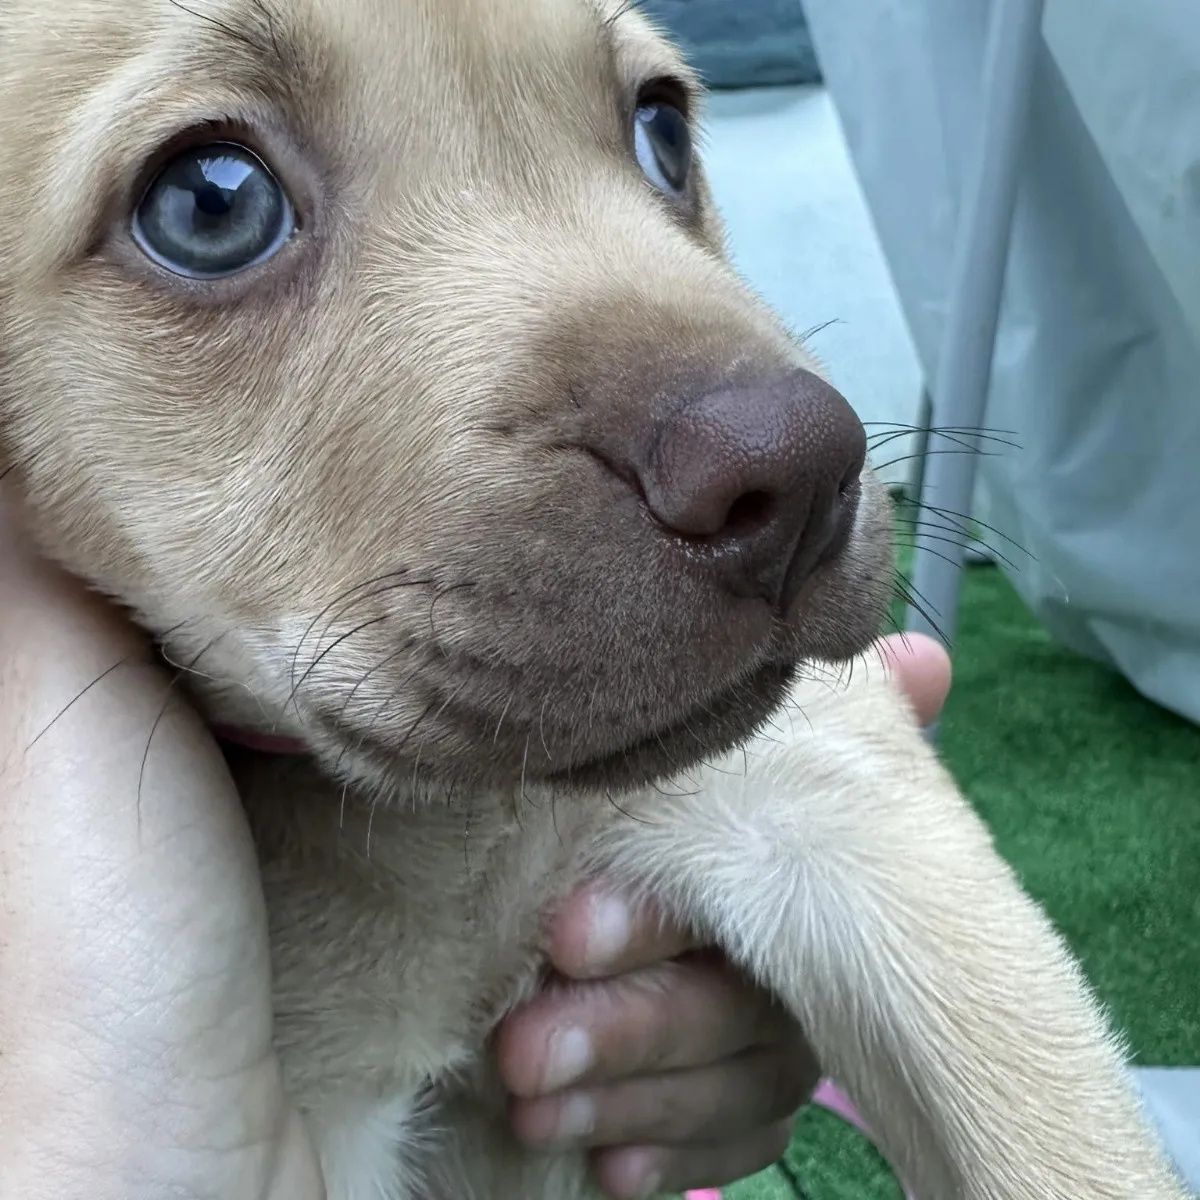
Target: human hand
676, 1071
135, 1013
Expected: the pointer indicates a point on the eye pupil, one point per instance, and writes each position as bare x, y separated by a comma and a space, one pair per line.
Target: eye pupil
213, 201
663, 142
213, 211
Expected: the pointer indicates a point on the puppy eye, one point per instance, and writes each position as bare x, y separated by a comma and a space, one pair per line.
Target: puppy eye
663, 143
213, 211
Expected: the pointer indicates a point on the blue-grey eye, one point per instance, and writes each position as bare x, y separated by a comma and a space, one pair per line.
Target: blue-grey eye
663, 142
213, 211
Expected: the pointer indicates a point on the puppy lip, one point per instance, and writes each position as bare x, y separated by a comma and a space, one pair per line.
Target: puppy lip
759, 680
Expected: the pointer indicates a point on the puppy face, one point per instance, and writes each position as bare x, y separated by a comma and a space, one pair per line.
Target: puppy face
383, 357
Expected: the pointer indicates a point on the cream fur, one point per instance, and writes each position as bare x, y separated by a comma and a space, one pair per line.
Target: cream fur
389, 401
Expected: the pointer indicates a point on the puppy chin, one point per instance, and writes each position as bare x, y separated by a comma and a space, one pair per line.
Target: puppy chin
239, 715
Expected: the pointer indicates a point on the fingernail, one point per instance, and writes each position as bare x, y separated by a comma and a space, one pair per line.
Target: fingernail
570, 1056
652, 1187
609, 931
576, 1117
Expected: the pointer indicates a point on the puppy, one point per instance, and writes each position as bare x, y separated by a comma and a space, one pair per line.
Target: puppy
383, 357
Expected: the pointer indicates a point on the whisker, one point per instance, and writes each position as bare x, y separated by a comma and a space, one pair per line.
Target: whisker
922, 537
949, 514
966, 429
66, 708
228, 30
624, 11
900, 631
968, 535
791, 704
371, 823
666, 753
625, 812
503, 714
930, 550
812, 332
454, 695
673, 795
524, 765
961, 527
920, 608
76, 698
591, 710
241, 685
316, 662
958, 437
168, 696
415, 786
358, 587
383, 662
376, 717
438, 595
268, 16
915, 591
542, 729
874, 445
554, 815
811, 665
412, 729
892, 462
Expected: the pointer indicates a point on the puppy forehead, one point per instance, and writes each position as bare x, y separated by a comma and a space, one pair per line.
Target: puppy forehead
497, 57
388, 55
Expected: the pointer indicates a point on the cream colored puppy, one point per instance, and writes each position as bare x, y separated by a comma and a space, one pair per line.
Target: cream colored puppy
382, 355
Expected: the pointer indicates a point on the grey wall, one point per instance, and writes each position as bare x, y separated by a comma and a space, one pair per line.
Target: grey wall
741, 43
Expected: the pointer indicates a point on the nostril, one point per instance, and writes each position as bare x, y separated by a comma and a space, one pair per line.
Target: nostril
849, 482
748, 513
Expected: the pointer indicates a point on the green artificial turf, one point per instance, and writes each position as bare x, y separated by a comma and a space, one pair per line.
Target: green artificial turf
1094, 796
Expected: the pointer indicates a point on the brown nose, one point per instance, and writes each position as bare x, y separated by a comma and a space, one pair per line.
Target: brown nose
765, 475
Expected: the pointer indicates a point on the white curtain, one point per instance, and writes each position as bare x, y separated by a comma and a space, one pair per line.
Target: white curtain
1098, 360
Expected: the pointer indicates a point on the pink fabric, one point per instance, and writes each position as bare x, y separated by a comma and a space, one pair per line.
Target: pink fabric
827, 1096
830, 1097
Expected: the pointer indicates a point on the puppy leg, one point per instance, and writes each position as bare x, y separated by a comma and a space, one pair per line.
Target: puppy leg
478, 1158
371, 1148
846, 873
